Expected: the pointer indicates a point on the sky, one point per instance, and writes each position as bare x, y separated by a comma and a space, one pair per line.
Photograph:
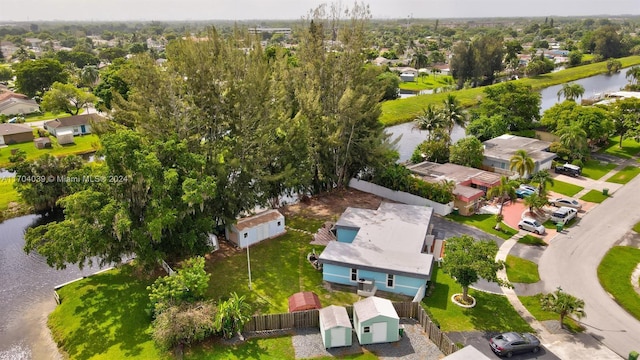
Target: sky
108, 10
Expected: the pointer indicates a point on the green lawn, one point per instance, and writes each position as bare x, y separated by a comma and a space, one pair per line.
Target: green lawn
564, 188
521, 270
533, 240
47, 116
614, 273
7, 193
404, 110
104, 317
491, 313
532, 303
484, 222
427, 82
625, 175
83, 144
629, 148
594, 169
594, 196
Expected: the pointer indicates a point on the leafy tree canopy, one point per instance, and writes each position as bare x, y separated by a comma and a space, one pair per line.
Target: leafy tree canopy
467, 152
37, 76
66, 98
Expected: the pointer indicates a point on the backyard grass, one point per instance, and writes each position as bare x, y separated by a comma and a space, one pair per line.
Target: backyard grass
594, 196
47, 116
594, 169
625, 175
565, 188
521, 270
484, 222
491, 313
104, 317
83, 144
532, 303
629, 148
532, 240
427, 82
404, 110
614, 273
7, 193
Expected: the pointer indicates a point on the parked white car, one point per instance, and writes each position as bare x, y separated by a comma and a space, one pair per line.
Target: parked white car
532, 225
563, 215
527, 187
566, 202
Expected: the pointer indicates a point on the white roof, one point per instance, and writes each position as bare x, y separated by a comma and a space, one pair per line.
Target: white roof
372, 307
466, 353
334, 316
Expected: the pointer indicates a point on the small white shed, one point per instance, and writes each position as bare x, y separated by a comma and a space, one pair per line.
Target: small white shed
376, 321
335, 327
65, 137
251, 230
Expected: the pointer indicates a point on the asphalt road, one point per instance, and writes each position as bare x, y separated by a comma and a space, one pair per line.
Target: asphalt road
572, 259
480, 340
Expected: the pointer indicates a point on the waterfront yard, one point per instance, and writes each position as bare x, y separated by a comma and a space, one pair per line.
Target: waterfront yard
82, 145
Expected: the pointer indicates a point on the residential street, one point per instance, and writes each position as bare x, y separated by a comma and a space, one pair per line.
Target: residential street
572, 259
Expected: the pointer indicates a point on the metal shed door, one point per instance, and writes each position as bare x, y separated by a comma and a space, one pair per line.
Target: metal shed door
379, 331
338, 337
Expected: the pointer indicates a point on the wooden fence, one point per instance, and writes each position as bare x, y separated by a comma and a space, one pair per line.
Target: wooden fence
311, 319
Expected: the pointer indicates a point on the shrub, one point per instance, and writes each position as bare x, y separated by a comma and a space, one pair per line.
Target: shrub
399, 178
184, 324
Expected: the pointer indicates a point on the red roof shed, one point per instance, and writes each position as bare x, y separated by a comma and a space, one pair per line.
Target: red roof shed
305, 300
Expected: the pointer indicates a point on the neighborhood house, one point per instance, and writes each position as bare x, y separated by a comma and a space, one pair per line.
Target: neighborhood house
389, 249
471, 184
64, 129
376, 321
499, 151
15, 133
17, 104
256, 228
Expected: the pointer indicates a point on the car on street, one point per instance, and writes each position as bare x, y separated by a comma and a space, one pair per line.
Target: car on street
532, 225
509, 343
568, 169
566, 202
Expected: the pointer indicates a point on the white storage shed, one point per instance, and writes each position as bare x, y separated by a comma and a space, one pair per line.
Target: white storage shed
376, 321
335, 327
251, 230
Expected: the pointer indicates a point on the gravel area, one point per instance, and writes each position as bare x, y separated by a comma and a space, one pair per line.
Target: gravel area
413, 345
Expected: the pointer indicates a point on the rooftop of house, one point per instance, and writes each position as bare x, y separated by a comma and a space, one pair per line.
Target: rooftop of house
7, 103
463, 176
12, 129
260, 218
504, 147
390, 238
374, 306
75, 120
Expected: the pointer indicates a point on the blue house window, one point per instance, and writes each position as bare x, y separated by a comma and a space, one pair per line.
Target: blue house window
354, 274
390, 280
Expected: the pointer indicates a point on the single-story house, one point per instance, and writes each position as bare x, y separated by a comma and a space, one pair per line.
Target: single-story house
15, 133
76, 125
251, 230
16, 105
466, 353
335, 327
304, 300
407, 77
471, 184
386, 249
42, 142
376, 321
499, 151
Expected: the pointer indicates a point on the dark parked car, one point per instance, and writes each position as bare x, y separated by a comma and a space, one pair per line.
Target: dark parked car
509, 343
568, 169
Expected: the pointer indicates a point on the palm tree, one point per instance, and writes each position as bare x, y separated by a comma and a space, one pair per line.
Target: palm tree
521, 163
504, 192
453, 114
571, 91
419, 60
89, 76
633, 75
563, 304
543, 178
535, 201
430, 120
574, 138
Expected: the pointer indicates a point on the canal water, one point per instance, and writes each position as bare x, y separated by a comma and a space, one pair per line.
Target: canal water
26, 294
593, 86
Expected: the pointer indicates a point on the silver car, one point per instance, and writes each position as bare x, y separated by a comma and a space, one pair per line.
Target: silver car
566, 202
509, 343
532, 225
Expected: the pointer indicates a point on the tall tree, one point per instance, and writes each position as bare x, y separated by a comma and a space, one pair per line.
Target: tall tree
467, 260
518, 104
66, 98
574, 138
542, 178
37, 76
563, 304
89, 76
452, 113
571, 91
521, 163
467, 151
625, 115
607, 42
430, 120
633, 75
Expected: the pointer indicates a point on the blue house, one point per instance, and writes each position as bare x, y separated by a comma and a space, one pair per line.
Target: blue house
385, 249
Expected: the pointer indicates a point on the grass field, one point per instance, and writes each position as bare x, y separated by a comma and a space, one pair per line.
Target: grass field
404, 110
565, 188
625, 175
83, 144
7, 193
629, 148
614, 273
491, 313
594, 196
484, 222
427, 82
532, 303
47, 116
594, 169
532, 240
521, 270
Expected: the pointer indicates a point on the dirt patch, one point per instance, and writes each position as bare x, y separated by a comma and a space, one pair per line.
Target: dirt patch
329, 206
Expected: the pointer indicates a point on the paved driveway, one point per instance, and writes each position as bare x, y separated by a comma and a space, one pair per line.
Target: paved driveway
480, 340
447, 228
